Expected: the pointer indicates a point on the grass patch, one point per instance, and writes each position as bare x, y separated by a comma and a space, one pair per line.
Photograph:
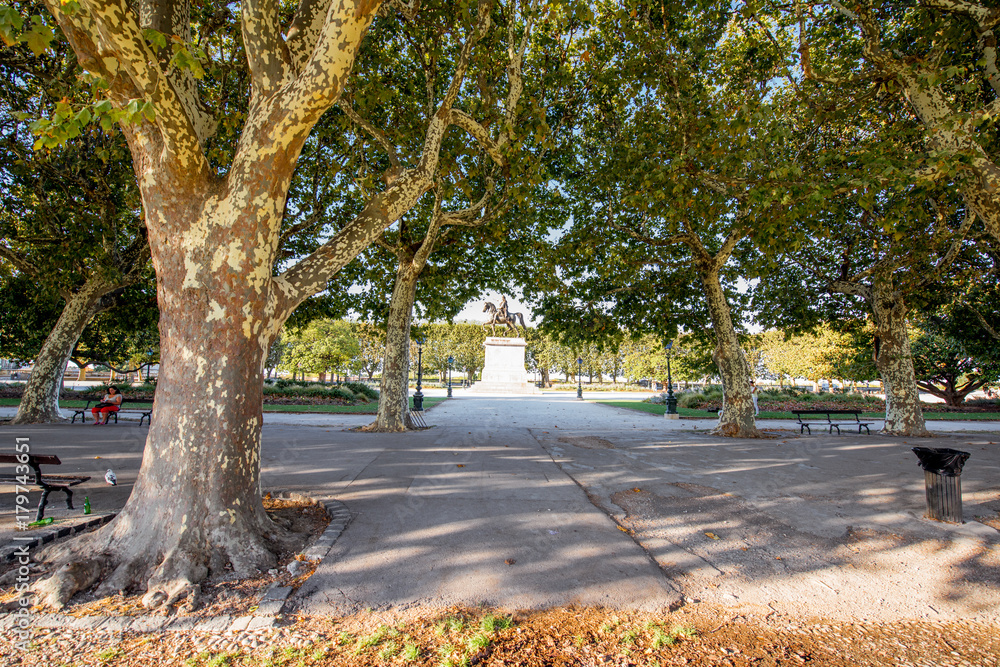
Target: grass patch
410, 652
477, 642
363, 409
491, 623
110, 654
654, 409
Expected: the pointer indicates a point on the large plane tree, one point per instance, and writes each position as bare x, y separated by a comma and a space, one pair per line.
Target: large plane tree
214, 220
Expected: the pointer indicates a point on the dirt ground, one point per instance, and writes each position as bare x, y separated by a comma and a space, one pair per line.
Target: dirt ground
568, 636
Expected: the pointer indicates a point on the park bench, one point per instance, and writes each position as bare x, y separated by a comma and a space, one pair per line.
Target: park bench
47, 483
832, 420
144, 413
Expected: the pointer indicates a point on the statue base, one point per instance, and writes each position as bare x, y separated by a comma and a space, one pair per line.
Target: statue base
503, 372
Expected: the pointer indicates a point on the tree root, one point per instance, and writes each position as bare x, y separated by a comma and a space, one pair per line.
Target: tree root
733, 430
56, 590
168, 565
375, 428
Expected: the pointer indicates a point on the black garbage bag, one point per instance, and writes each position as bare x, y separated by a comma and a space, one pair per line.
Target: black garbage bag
941, 460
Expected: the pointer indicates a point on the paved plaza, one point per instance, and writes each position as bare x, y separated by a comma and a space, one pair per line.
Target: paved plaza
539, 501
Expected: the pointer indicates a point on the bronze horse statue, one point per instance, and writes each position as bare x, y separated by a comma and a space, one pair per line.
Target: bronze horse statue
496, 318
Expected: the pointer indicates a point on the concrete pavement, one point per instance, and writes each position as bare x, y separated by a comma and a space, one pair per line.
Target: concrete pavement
545, 500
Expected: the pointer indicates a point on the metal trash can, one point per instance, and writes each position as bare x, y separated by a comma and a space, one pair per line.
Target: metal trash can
942, 481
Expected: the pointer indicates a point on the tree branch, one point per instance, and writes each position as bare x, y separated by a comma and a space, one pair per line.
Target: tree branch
956, 246
20, 263
376, 133
466, 217
479, 133
108, 31
267, 54
515, 61
304, 30
325, 73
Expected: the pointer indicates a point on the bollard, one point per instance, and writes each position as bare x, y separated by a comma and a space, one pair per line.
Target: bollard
942, 481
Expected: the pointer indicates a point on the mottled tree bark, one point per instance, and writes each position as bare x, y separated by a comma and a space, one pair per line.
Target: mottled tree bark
903, 414
949, 128
40, 401
737, 418
393, 399
196, 507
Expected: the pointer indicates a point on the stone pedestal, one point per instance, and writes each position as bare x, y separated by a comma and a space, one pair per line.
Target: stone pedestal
504, 371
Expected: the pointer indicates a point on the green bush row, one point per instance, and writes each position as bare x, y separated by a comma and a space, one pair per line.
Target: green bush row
349, 391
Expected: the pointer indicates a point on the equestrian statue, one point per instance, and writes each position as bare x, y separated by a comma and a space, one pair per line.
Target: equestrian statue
501, 316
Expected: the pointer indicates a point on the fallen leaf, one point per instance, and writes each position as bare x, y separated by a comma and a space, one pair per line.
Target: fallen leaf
510, 561
637, 490
461, 465
712, 536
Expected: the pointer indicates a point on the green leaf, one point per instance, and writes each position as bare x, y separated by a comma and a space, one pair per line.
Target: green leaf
39, 37
10, 24
155, 37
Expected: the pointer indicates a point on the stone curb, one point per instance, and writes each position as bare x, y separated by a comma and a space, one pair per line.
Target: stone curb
266, 616
9, 552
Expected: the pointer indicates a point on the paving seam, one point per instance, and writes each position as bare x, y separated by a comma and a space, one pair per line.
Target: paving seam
659, 568
266, 617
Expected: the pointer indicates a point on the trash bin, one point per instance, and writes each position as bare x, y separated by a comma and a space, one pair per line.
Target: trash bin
942, 481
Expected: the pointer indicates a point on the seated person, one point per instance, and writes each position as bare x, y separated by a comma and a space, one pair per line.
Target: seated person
110, 403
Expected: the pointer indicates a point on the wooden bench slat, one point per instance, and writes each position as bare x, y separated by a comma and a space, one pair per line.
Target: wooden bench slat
830, 422
47, 483
41, 459
145, 413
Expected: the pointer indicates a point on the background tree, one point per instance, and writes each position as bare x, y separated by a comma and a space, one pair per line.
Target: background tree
322, 346
445, 253
661, 202
883, 260
371, 347
951, 365
71, 223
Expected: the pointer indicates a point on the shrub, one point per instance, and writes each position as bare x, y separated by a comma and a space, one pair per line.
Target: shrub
122, 387
691, 399
341, 392
362, 389
712, 393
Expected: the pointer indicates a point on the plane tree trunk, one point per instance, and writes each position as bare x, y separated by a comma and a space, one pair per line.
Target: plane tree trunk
393, 400
737, 418
40, 400
196, 509
903, 413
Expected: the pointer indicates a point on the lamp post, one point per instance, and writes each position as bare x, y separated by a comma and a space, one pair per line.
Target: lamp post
671, 412
451, 360
418, 397
579, 378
